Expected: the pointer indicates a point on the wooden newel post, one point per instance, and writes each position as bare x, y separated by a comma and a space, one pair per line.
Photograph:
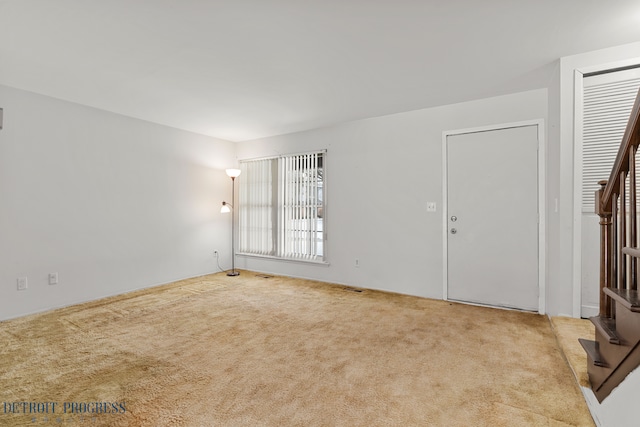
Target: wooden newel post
606, 248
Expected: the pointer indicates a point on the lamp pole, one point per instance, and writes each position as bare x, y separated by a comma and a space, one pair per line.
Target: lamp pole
233, 173
233, 271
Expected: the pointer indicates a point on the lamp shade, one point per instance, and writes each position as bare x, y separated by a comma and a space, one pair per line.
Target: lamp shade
233, 173
225, 208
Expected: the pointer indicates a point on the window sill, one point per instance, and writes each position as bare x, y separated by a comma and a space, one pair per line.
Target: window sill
275, 258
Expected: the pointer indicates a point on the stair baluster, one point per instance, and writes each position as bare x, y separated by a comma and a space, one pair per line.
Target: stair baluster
632, 219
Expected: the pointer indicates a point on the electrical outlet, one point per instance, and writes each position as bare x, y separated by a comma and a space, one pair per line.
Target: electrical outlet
431, 206
53, 278
22, 283
357, 263
216, 254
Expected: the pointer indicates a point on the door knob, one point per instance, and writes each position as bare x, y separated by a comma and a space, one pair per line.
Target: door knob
454, 231
454, 218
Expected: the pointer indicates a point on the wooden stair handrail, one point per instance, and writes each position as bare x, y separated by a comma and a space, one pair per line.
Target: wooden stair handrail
631, 138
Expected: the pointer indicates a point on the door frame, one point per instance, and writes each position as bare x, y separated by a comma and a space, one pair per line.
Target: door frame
541, 202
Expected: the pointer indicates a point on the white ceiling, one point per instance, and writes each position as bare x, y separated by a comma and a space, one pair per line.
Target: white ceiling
245, 69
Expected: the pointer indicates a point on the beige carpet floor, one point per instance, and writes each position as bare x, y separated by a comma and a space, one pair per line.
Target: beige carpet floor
567, 331
255, 351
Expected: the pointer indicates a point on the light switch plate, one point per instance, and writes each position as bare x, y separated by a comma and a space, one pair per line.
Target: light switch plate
53, 278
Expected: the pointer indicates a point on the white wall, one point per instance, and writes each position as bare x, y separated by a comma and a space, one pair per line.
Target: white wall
618, 409
559, 294
110, 203
381, 172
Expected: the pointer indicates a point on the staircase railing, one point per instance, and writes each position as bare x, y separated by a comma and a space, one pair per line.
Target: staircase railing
615, 353
617, 207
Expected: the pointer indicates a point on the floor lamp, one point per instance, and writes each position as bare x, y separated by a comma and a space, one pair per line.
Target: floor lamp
233, 174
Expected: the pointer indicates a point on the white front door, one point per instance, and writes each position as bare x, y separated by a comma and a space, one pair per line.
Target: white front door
492, 217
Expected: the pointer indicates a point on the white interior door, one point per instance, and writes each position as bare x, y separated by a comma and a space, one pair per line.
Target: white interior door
492, 210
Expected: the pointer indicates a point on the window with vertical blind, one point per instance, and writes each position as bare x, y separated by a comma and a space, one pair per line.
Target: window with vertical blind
607, 103
281, 212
